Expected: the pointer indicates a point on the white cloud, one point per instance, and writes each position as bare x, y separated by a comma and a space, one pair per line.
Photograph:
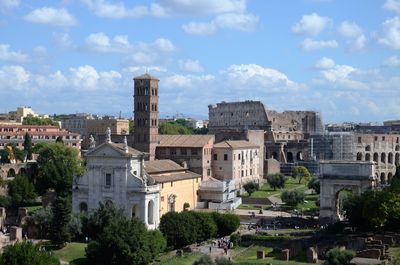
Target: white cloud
190, 66
51, 16
234, 21
164, 45
354, 33
63, 40
311, 24
325, 63
390, 34
245, 74
8, 4
310, 44
100, 42
200, 28
337, 73
186, 81
350, 29
14, 77
88, 78
118, 10
392, 5
392, 61
12, 56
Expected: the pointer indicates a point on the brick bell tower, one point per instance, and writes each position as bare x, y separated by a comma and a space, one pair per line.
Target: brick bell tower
146, 114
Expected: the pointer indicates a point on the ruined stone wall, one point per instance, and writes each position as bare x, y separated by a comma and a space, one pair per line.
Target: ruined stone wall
303, 121
383, 149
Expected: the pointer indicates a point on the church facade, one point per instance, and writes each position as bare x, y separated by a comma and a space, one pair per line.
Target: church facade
115, 174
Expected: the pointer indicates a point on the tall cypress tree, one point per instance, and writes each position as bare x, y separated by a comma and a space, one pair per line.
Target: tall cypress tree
59, 231
28, 146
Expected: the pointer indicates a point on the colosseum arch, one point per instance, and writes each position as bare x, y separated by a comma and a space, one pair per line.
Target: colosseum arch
368, 148
299, 156
383, 178
359, 156
397, 159
376, 157
390, 158
367, 157
383, 158
289, 157
389, 177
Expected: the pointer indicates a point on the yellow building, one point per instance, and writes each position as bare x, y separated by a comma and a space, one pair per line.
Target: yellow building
178, 185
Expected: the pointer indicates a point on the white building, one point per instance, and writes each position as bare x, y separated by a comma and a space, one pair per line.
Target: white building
115, 174
237, 160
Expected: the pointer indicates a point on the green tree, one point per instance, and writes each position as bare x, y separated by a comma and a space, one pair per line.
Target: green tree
276, 181
25, 253
292, 198
337, 256
251, 187
43, 218
227, 223
30, 120
173, 128
206, 226
21, 191
100, 219
314, 185
223, 261
59, 229
157, 243
57, 165
300, 172
204, 260
28, 146
123, 241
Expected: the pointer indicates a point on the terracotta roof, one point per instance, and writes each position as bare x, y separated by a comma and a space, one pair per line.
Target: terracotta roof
175, 177
118, 147
184, 140
235, 144
146, 76
161, 166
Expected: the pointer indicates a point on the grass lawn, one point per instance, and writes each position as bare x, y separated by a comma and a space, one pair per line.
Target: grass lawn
395, 252
171, 259
266, 191
74, 253
244, 256
309, 205
34, 208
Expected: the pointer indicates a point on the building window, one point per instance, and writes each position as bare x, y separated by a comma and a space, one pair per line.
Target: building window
225, 157
251, 172
208, 172
108, 179
383, 138
194, 151
172, 183
172, 151
376, 138
239, 156
359, 140
215, 157
83, 207
183, 151
242, 173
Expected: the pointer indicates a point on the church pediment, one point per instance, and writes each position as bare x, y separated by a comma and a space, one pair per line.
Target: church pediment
107, 150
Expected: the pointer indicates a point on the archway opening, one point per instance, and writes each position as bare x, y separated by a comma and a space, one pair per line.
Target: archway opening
275, 155
290, 157
368, 148
359, 156
83, 208
135, 211
150, 213
367, 157
390, 158
11, 173
383, 158
299, 156
342, 197
390, 176
376, 157
109, 203
383, 178
22, 171
397, 159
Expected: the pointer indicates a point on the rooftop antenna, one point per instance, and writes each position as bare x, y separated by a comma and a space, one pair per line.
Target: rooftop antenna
147, 69
119, 115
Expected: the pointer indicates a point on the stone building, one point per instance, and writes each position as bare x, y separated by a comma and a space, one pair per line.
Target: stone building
39, 133
192, 150
146, 114
178, 185
236, 160
115, 173
383, 149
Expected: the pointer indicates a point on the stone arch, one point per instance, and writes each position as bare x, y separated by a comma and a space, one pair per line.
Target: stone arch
150, 212
83, 207
390, 158
135, 211
11, 173
299, 156
383, 178
389, 177
397, 148
22, 170
339, 198
275, 155
383, 158
289, 157
368, 148
397, 159
376, 157
359, 156
108, 202
367, 157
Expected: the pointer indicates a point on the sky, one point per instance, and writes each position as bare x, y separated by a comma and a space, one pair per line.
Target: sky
338, 57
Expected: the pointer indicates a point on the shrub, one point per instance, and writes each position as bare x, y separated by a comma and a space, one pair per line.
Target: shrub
25, 253
337, 256
204, 260
300, 172
292, 198
227, 223
314, 185
276, 181
251, 187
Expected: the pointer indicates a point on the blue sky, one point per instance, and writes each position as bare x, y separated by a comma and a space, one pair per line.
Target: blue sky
339, 57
